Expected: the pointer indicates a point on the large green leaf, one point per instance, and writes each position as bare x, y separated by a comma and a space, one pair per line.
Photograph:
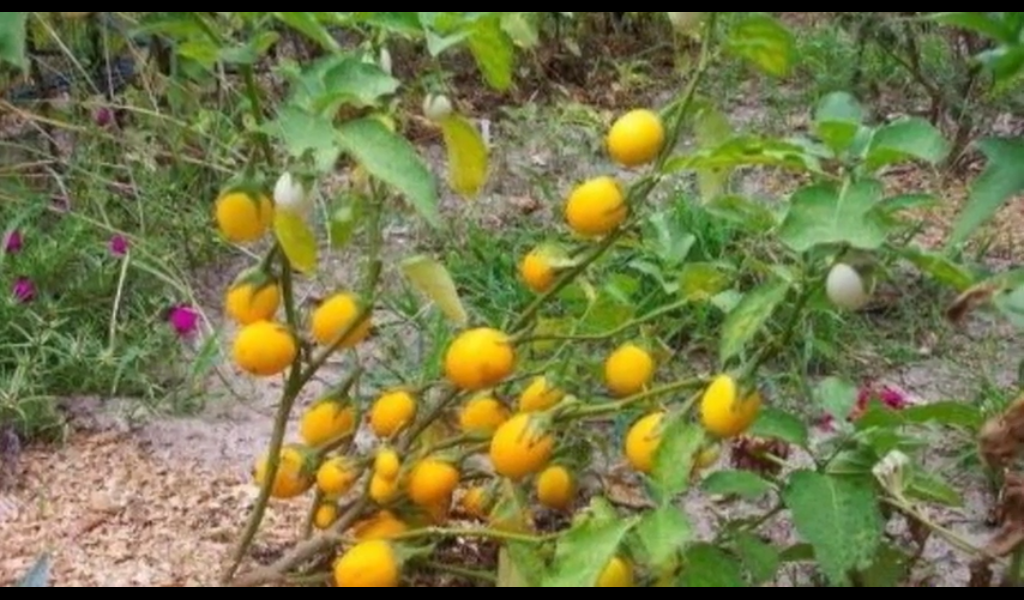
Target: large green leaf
309, 25
765, 42
745, 212
750, 316
663, 533
931, 487
709, 567
837, 119
304, 132
432, 279
744, 484
761, 560
703, 281
837, 397
297, 240
392, 159
12, 39
909, 138
890, 568
494, 52
950, 414
828, 213
673, 461
585, 551
467, 156
341, 79
985, 23
746, 150
839, 516
776, 424
939, 267
1003, 178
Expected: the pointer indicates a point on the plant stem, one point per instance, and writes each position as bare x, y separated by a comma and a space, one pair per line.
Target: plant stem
952, 537
487, 534
462, 572
597, 337
612, 407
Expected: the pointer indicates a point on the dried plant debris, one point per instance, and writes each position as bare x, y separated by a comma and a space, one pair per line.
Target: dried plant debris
1002, 438
1010, 516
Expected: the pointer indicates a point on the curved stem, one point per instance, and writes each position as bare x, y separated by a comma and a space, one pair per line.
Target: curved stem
613, 407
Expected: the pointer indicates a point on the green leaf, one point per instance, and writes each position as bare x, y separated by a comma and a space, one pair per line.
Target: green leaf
909, 138
950, 414
518, 27
744, 484
432, 279
671, 241
1011, 304
839, 516
776, 424
342, 79
765, 42
673, 461
297, 240
344, 221
858, 462
303, 132
12, 39
837, 119
709, 567
663, 533
750, 316
939, 267
890, 568
826, 213
797, 553
929, 487
746, 150
837, 397
710, 128
308, 25
749, 214
1002, 179
585, 551
761, 559
467, 156
702, 281
904, 202
493, 51
519, 566
982, 22
39, 575
392, 159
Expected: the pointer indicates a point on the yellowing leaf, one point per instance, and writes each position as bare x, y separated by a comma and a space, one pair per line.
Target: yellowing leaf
297, 240
467, 156
433, 280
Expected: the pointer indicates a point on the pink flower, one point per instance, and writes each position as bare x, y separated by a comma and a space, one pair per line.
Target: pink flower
103, 117
24, 290
119, 245
184, 320
892, 398
14, 242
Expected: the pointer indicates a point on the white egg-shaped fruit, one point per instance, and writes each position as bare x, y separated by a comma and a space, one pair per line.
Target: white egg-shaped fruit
845, 288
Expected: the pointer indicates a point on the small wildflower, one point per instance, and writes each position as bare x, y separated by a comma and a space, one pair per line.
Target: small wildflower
892, 398
14, 242
184, 319
119, 246
103, 117
24, 290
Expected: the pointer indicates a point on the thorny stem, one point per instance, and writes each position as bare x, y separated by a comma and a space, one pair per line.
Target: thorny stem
307, 529
954, 539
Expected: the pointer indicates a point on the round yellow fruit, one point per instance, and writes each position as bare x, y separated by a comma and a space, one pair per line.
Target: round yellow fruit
326, 515
636, 138
483, 416
372, 564
537, 271
618, 574
336, 477
723, 413
332, 318
327, 421
539, 396
517, 451
243, 218
387, 465
628, 370
265, 349
392, 413
642, 442
383, 491
293, 477
556, 489
478, 503
432, 482
596, 207
247, 304
479, 359
382, 526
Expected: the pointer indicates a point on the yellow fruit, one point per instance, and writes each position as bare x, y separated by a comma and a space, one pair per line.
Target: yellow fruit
517, 451
596, 207
382, 526
628, 370
556, 488
372, 564
483, 416
387, 465
636, 138
392, 413
479, 359
723, 413
247, 304
478, 503
326, 515
432, 482
383, 491
537, 272
336, 477
242, 218
265, 349
618, 574
332, 318
539, 396
328, 421
642, 442
293, 478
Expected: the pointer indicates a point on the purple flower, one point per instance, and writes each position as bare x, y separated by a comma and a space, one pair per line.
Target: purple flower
103, 117
184, 319
24, 290
14, 242
119, 245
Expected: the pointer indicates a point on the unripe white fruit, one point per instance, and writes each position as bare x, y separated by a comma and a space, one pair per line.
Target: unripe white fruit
291, 196
845, 287
684, 22
437, 107
385, 61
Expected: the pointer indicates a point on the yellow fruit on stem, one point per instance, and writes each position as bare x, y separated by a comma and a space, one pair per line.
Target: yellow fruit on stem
382, 526
387, 465
432, 482
336, 477
479, 359
642, 442
539, 396
326, 515
618, 574
628, 370
328, 420
596, 207
636, 138
294, 477
265, 349
723, 413
556, 488
243, 218
392, 412
333, 318
383, 491
517, 450
247, 303
537, 271
483, 416
478, 502
372, 564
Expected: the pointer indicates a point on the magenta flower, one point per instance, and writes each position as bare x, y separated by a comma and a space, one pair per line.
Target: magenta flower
24, 290
892, 398
103, 117
184, 320
119, 245
14, 242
